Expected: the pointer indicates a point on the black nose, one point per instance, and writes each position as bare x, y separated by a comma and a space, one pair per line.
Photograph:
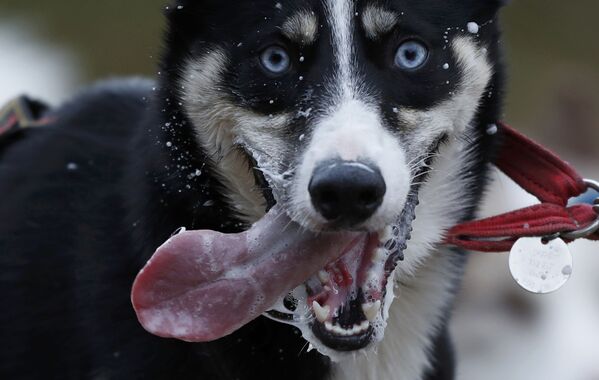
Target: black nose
347, 193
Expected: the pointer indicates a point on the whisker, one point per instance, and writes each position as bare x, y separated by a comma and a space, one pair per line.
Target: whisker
303, 348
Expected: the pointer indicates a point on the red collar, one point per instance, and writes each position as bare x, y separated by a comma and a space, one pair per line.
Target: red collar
544, 175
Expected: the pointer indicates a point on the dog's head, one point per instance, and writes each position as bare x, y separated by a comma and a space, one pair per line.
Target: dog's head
340, 104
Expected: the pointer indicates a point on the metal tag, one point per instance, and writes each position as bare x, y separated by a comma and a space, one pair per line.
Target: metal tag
540, 267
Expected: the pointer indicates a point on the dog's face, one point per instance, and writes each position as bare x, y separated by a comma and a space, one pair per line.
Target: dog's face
340, 104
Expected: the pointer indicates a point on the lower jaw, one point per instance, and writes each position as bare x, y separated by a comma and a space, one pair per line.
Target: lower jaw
342, 343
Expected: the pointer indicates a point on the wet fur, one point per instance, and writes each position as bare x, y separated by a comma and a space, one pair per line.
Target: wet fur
72, 241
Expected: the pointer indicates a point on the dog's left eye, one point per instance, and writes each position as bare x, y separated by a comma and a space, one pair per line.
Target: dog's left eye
275, 60
411, 55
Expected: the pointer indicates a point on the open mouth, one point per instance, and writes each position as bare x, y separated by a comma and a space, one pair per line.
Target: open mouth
345, 304
203, 285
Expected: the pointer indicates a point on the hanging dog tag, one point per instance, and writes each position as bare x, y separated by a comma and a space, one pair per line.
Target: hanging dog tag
540, 267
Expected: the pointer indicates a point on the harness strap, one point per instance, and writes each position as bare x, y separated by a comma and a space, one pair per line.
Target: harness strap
22, 113
546, 176
538, 170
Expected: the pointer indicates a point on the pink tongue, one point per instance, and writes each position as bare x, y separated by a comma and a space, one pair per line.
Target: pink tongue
203, 285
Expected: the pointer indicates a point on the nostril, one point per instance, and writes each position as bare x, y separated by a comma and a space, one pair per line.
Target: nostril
328, 204
327, 196
369, 197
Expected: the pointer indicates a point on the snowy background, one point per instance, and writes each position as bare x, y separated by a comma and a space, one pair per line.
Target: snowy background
49, 49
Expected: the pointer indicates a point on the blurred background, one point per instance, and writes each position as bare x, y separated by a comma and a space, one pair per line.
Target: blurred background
50, 49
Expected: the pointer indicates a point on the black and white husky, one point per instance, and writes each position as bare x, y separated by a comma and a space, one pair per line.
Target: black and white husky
335, 110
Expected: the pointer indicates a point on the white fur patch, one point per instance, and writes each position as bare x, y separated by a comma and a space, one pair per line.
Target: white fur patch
354, 132
221, 127
302, 27
340, 15
378, 21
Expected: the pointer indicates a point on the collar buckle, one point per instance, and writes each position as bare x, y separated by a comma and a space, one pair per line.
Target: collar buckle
591, 228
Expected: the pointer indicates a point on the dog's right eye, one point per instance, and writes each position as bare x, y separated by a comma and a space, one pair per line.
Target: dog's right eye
411, 55
275, 60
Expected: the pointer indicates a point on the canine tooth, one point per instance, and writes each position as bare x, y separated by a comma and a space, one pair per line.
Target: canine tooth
324, 276
371, 310
321, 312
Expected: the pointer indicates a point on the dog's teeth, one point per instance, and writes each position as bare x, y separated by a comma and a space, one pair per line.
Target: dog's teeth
324, 277
321, 312
361, 327
371, 310
355, 330
335, 329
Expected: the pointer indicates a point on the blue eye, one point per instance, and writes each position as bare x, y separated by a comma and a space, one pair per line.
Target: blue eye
411, 55
275, 60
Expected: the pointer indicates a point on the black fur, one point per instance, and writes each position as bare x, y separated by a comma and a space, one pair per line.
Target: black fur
73, 237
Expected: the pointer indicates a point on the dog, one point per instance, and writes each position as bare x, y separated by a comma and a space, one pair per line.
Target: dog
344, 114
